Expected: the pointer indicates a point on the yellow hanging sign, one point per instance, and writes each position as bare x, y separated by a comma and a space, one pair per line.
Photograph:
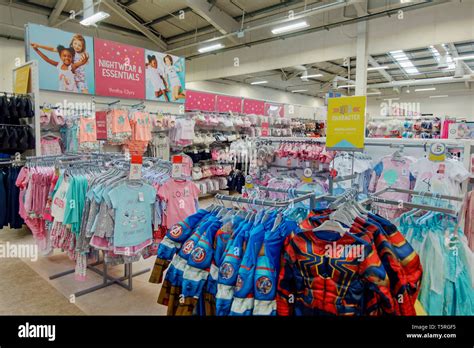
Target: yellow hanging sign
22, 78
346, 123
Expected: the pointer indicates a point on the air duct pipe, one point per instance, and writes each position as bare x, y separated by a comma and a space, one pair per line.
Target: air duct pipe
422, 82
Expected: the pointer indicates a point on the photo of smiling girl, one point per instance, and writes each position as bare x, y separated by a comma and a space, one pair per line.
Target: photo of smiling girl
171, 73
78, 44
66, 67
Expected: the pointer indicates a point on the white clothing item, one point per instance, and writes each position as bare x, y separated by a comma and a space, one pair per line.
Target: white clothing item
58, 205
153, 75
439, 177
66, 80
172, 75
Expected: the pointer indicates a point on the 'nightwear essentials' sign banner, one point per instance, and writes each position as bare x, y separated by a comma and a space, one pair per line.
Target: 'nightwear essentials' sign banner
119, 70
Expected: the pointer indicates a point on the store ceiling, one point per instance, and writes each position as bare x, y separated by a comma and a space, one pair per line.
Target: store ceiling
425, 60
183, 35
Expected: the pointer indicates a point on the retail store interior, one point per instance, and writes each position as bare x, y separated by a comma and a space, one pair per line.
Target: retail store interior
198, 157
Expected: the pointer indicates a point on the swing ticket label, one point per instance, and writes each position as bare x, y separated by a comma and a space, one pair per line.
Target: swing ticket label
346, 123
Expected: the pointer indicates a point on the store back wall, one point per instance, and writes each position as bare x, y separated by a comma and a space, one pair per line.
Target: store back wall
460, 106
11, 50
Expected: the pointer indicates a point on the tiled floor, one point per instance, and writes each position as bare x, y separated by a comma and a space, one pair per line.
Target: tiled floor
25, 287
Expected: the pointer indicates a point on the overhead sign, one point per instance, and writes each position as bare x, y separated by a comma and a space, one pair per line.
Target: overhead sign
71, 62
346, 123
22, 78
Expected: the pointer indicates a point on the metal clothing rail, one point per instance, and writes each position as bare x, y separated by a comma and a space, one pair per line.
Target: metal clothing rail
107, 279
374, 198
271, 203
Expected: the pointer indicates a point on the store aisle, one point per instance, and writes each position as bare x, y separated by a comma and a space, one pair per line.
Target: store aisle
25, 284
25, 292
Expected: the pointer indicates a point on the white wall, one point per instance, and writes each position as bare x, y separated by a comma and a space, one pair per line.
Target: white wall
304, 106
10, 50
459, 106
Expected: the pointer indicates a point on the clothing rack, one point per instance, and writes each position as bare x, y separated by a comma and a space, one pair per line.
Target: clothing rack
14, 125
126, 281
374, 198
272, 203
11, 94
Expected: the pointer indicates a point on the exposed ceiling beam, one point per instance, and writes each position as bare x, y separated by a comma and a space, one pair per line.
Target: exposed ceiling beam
209, 28
360, 7
119, 11
56, 12
221, 20
455, 54
168, 16
382, 72
45, 10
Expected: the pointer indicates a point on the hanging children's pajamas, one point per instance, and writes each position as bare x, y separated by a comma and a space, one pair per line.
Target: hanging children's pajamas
395, 173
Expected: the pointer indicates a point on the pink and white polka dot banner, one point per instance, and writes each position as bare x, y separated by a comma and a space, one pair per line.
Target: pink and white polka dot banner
200, 101
226, 104
252, 106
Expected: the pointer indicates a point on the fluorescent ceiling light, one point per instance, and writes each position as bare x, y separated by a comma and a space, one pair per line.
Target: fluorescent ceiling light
346, 86
299, 90
309, 76
290, 27
377, 68
464, 57
210, 48
425, 89
373, 93
96, 17
388, 99
258, 82
404, 62
439, 96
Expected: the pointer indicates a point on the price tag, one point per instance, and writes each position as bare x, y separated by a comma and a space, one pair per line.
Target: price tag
437, 152
307, 175
248, 182
136, 168
141, 197
177, 168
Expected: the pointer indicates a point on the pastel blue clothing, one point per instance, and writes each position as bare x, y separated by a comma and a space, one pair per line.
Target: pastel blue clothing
446, 287
133, 213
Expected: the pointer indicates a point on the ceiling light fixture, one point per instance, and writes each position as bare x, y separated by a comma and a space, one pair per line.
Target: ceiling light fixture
210, 48
309, 76
439, 96
95, 18
373, 93
388, 99
346, 86
425, 89
299, 90
290, 27
464, 57
377, 68
258, 82
404, 62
